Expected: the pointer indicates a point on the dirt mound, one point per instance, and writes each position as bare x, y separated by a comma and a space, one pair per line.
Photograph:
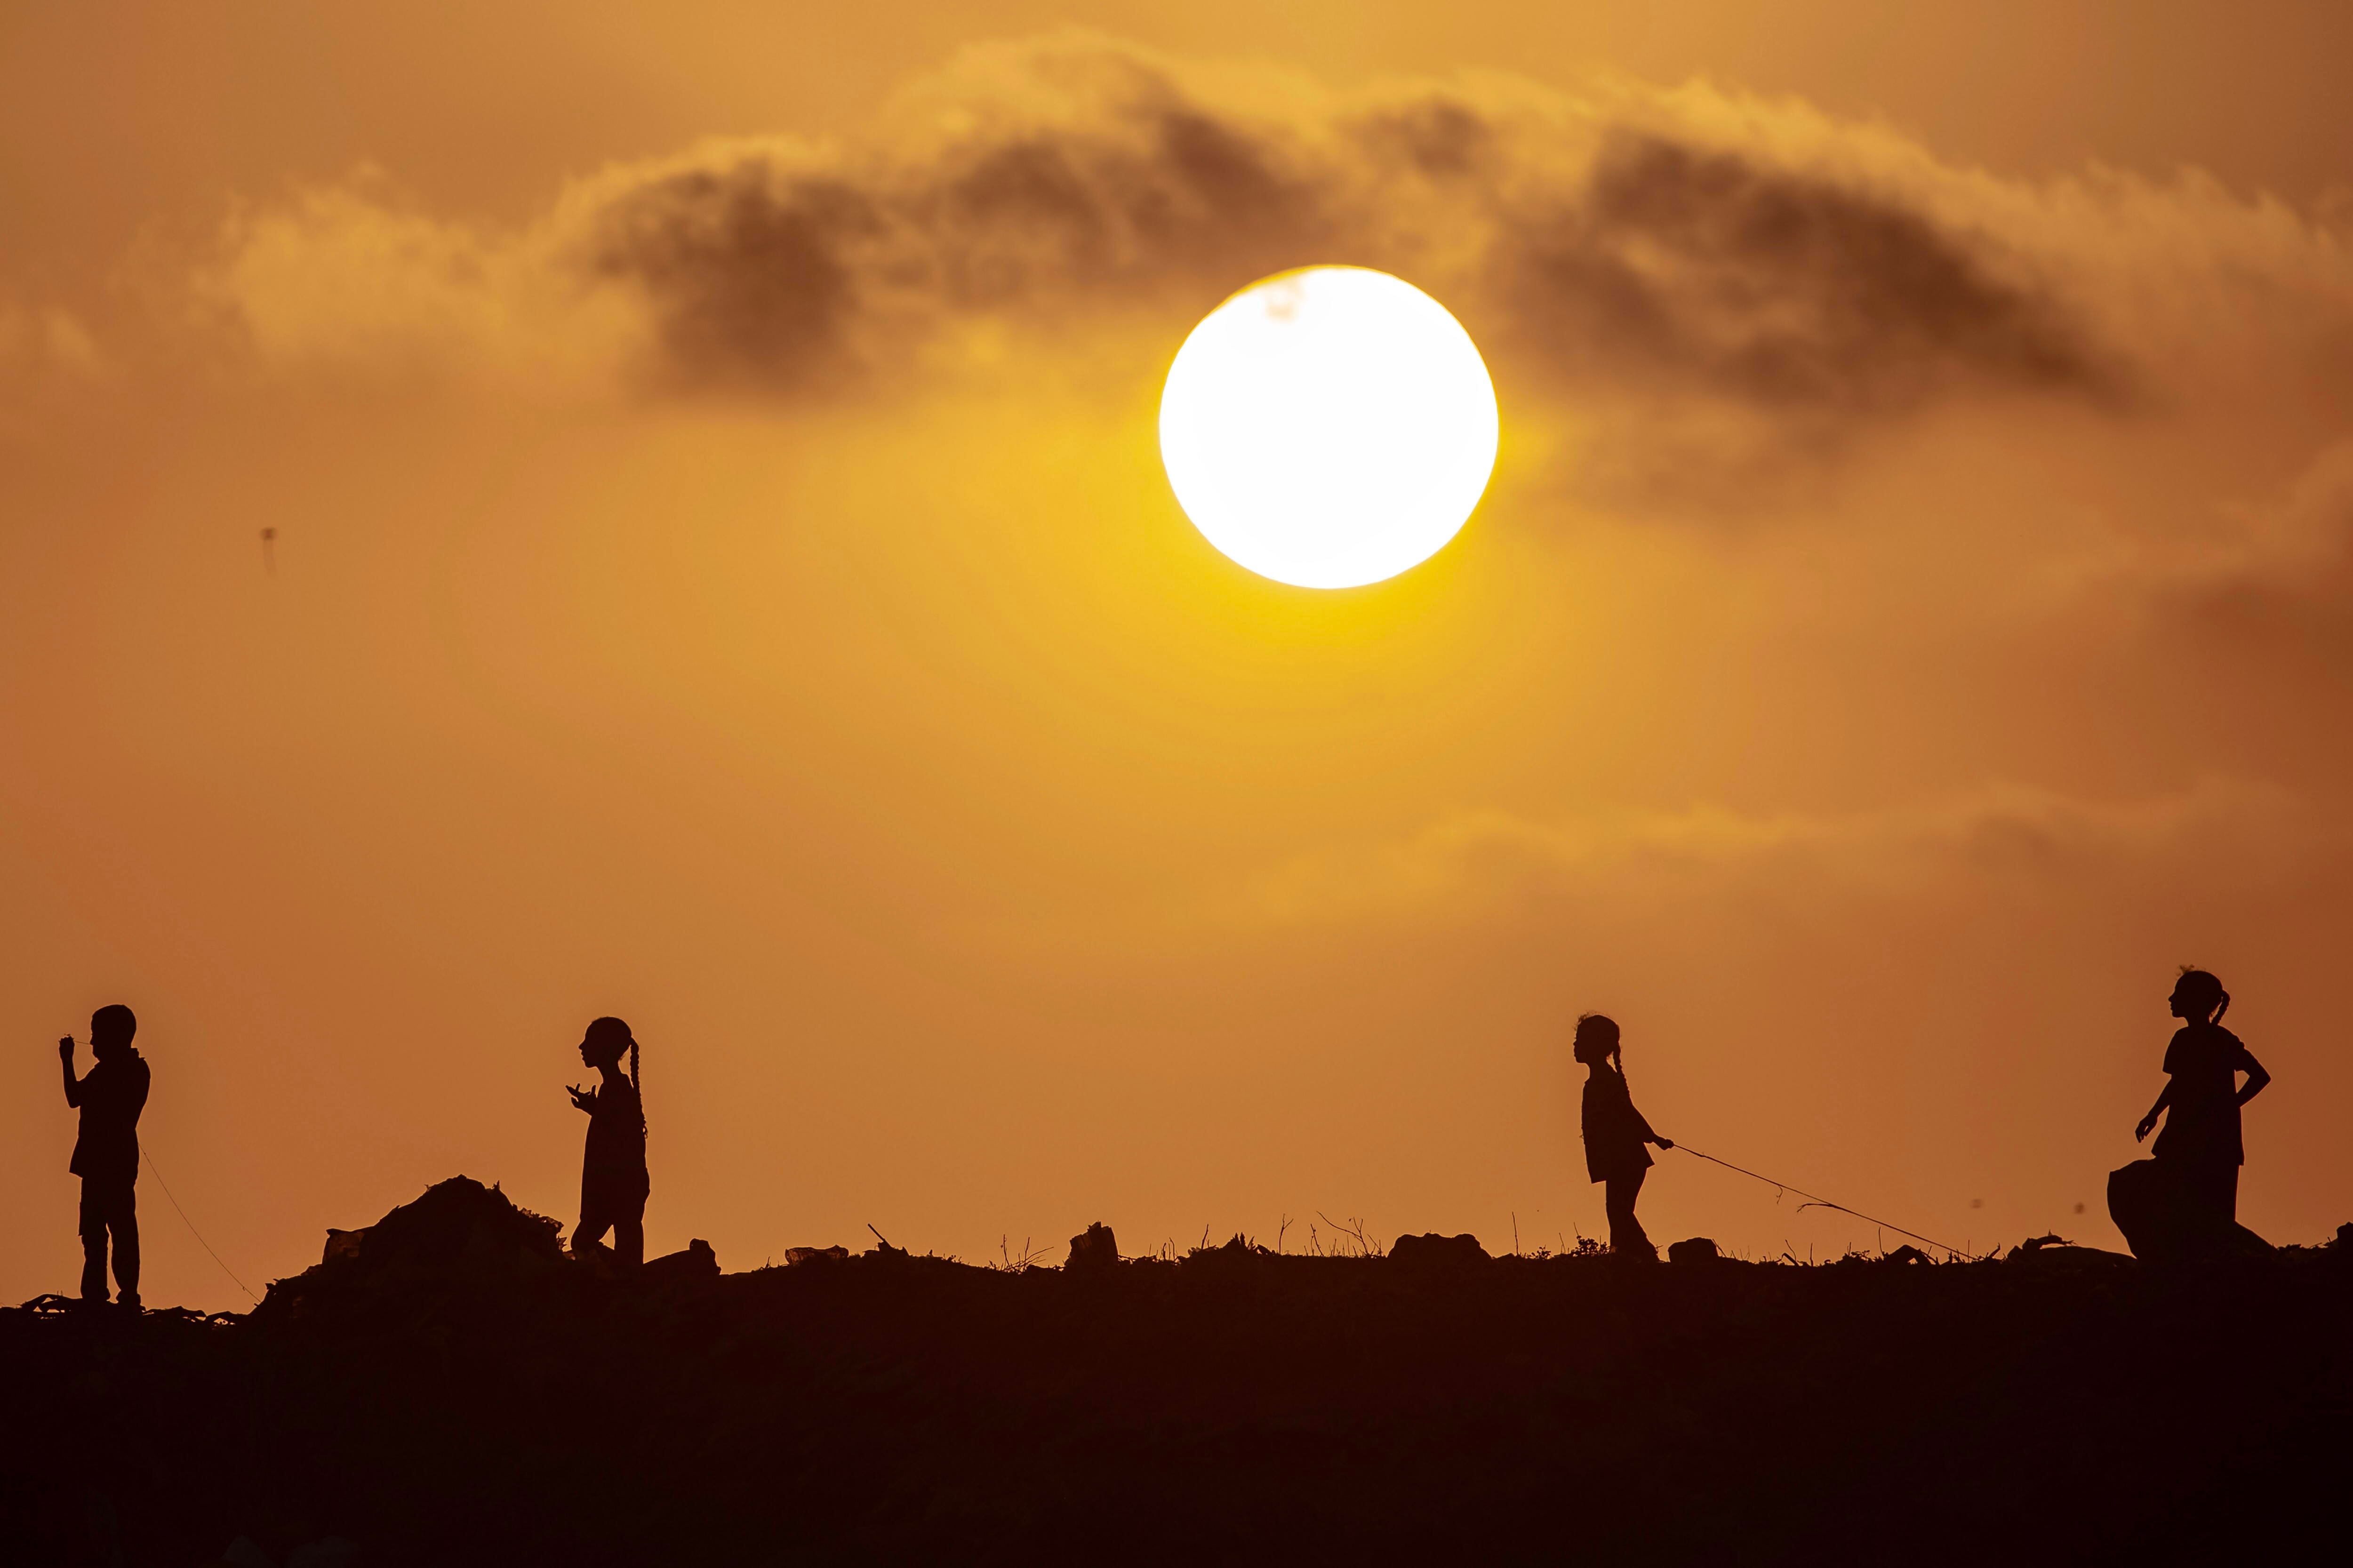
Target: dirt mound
459, 1234
695, 1263
1432, 1250
461, 1224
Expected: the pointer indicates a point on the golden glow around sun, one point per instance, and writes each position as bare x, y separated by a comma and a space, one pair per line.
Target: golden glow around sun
1328, 427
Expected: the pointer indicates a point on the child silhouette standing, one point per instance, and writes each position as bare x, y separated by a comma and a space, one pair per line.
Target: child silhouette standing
1614, 1134
2200, 1144
106, 1155
613, 1179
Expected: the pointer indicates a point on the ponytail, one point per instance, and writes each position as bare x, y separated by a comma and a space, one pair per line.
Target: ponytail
603, 1043
639, 1084
2198, 985
1618, 1059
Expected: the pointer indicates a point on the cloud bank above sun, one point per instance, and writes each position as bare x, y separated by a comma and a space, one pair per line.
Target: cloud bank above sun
1696, 240
1713, 281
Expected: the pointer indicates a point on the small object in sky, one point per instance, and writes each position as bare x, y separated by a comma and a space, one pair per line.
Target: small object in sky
269, 550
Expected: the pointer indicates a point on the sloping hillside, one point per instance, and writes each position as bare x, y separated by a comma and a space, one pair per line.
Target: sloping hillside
491, 1401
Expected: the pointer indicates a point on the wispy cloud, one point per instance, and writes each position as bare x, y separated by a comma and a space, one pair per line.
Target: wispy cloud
1697, 243
1471, 864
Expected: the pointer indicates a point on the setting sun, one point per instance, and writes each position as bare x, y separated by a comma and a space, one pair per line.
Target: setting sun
1329, 428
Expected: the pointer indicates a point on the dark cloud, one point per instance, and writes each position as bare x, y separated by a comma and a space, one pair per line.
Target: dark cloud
760, 276
1651, 259
748, 269
1167, 192
1778, 288
1628, 248
1441, 138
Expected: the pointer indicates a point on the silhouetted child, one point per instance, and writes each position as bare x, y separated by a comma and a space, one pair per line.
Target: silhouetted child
2200, 1144
613, 1180
1614, 1134
106, 1155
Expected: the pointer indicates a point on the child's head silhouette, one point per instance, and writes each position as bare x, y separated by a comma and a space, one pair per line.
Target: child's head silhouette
2198, 997
605, 1042
111, 1028
1597, 1037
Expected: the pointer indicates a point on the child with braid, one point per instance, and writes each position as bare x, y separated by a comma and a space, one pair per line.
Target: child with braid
2201, 1145
613, 1180
1615, 1133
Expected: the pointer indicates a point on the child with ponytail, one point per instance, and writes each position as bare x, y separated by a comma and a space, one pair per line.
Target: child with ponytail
1614, 1134
2200, 1144
613, 1180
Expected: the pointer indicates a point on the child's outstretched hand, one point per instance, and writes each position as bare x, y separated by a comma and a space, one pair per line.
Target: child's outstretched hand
65, 1049
585, 1099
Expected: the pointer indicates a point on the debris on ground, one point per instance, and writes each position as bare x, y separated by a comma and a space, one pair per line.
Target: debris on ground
458, 1236
696, 1262
1432, 1250
1093, 1249
458, 1224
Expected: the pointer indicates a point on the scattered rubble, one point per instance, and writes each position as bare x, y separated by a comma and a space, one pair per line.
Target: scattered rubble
1432, 1250
459, 1236
696, 1262
1093, 1249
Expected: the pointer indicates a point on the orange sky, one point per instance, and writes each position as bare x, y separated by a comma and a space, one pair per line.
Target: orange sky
724, 578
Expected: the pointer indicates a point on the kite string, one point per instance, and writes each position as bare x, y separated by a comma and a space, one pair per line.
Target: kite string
1812, 1201
192, 1226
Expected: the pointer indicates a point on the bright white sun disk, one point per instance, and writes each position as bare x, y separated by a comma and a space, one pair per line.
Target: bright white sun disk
1328, 427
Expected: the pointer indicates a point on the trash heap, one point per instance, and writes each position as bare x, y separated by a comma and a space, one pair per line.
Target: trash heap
457, 1238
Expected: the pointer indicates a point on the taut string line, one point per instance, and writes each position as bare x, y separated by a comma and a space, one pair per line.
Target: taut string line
192, 1226
1813, 1202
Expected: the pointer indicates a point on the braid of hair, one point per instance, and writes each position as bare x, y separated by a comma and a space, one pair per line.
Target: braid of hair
2198, 983
1617, 1060
637, 1083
